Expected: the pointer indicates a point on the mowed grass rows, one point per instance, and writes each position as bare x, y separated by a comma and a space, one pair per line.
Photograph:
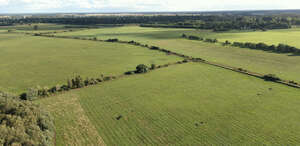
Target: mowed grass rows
285, 36
28, 61
190, 104
283, 65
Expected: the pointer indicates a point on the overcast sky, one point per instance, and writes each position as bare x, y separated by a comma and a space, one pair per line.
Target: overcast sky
29, 6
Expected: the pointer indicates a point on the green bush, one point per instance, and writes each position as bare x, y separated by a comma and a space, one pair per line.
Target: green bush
154, 48
142, 68
129, 73
271, 77
153, 66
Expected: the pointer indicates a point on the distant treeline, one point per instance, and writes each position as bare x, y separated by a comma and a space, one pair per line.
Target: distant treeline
215, 22
280, 48
229, 22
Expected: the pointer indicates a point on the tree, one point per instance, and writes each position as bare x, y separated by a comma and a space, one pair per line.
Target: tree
142, 68
35, 27
24, 123
153, 66
227, 42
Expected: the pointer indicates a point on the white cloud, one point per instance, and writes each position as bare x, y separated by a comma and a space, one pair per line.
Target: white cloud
142, 5
4, 2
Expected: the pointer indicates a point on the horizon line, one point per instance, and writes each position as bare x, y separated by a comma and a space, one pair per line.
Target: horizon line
141, 12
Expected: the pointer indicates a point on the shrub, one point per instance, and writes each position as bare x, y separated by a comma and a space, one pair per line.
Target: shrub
185, 61
142, 68
194, 38
107, 78
153, 66
293, 82
129, 73
55, 89
211, 40
44, 92
227, 42
271, 77
112, 40
79, 83
65, 88
154, 48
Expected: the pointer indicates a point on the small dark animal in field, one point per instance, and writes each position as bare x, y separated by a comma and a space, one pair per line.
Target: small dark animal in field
270, 89
258, 94
119, 117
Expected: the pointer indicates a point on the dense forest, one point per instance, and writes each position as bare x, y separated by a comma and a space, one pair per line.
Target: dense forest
215, 22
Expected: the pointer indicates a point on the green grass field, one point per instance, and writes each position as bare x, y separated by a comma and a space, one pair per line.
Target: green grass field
28, 61
187, 104
30, 27
190, 104
286, 36
283, 65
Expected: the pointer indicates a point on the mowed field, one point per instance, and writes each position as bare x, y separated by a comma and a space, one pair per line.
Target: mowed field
283, 65
186, 104
285, 36
189, 104
28, 61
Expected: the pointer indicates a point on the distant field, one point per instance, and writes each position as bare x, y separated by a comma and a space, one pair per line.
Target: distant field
283, 65
190, 104
286, 36
128, 33
28, 61
30, 27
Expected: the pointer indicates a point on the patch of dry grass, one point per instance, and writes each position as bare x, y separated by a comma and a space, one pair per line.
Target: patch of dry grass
72, 125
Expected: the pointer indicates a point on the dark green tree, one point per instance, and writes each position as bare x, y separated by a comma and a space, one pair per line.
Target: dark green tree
142, 68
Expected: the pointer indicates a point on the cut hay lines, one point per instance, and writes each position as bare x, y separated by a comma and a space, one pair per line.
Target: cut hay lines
72, 125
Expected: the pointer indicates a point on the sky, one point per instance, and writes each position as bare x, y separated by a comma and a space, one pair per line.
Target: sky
51, 6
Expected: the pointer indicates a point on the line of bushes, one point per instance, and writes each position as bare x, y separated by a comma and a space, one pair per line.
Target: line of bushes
280, 48
78, 82
142, 68
191, 37
74, 83
115, 40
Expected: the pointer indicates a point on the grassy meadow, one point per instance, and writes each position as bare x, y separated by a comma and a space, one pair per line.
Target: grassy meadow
283, 65
186, 104
30, 27
28, 61
285, 36
190, 104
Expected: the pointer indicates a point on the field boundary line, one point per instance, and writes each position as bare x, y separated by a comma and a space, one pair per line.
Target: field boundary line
190, 58
168, 52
